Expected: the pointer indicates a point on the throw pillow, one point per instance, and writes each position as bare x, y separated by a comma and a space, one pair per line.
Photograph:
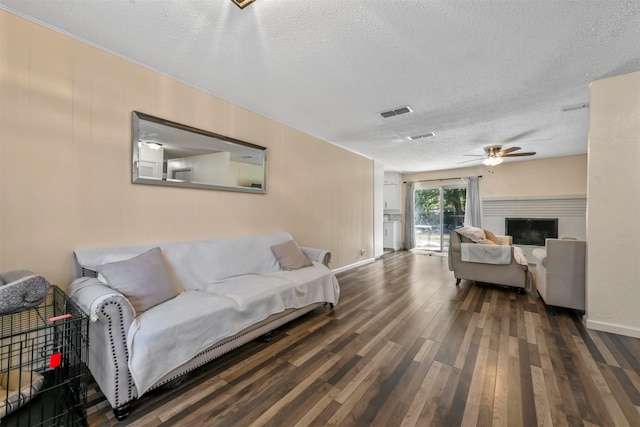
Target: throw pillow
473, 233
112, 258
492, 237
145, 280
290, 256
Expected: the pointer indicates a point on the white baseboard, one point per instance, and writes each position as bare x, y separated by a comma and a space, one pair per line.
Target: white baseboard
355, 265
615, 329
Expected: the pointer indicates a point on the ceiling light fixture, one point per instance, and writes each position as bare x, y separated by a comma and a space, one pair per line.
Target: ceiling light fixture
243, 3
493, 161
154, 145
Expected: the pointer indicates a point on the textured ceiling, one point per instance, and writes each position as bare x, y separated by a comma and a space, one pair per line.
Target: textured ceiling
474, 72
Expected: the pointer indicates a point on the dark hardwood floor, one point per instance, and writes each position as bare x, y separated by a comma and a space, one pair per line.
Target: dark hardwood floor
405, 346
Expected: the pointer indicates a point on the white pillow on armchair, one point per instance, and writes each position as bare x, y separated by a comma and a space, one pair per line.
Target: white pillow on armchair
474, 234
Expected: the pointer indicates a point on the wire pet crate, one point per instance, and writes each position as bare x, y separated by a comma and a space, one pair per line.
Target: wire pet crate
43, 364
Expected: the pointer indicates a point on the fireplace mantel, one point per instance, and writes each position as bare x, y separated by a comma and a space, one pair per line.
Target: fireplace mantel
535, 206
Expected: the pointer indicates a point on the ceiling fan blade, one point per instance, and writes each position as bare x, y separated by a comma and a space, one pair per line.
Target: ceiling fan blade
474, 155
521, 135
469, 161
510, 149
530, 153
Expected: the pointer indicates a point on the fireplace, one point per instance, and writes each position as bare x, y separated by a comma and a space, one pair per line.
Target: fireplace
531, 231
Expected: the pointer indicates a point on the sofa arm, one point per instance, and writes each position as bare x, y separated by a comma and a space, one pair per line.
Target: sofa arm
318, 255
541, 256
91, 295
111, 317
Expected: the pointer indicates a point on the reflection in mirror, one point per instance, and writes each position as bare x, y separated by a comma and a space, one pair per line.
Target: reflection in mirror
168, 153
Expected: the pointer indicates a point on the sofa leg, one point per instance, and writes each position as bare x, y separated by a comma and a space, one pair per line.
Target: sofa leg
122, 412
458, 281
331, 305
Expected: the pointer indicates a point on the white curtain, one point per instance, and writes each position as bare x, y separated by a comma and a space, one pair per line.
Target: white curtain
473, 208
409, 229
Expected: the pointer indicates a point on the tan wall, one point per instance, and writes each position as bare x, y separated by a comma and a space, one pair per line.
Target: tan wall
544, 177
540, 177
613, 207
65, 163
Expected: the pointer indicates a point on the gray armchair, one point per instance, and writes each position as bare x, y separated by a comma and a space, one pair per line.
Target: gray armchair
560, 273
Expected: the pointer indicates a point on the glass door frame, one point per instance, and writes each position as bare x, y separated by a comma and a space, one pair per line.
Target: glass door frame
441, 189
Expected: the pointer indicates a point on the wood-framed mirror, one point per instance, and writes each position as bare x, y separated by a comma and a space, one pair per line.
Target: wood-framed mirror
177, 155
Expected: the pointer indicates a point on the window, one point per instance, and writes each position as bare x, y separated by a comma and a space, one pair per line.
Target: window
438, 211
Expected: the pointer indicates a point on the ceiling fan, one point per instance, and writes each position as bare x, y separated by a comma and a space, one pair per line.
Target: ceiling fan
494, 154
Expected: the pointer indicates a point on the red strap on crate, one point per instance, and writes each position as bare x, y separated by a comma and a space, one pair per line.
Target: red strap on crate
54, 360
62, 316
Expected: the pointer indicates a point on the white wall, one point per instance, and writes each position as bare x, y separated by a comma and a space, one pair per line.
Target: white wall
378, 209
155, 157
245, 174
613, 209
210, 168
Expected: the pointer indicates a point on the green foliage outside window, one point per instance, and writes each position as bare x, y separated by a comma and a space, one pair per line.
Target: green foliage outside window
427, 207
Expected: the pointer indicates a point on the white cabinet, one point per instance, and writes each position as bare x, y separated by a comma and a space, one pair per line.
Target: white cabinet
392, 178
391, 238
392, 196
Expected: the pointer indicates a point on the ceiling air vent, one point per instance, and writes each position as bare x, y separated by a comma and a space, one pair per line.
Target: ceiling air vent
396, 111
424, 135
575, 107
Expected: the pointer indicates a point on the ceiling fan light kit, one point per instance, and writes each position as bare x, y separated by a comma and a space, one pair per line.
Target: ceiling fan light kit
494, 154
492, 161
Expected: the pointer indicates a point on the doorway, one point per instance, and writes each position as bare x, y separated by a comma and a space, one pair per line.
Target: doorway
437, 211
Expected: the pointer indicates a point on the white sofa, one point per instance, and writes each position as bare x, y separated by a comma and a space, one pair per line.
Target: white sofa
227, 292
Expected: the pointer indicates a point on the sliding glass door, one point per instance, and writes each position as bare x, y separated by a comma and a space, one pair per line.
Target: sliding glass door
437, 211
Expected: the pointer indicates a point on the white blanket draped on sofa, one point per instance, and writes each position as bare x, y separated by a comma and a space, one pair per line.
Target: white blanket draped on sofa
491, 254
241, 301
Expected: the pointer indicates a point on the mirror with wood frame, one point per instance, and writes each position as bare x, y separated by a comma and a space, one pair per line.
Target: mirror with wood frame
169, 153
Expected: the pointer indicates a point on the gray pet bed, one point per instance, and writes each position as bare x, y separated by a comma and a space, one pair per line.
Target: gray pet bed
21, 290
17, 387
